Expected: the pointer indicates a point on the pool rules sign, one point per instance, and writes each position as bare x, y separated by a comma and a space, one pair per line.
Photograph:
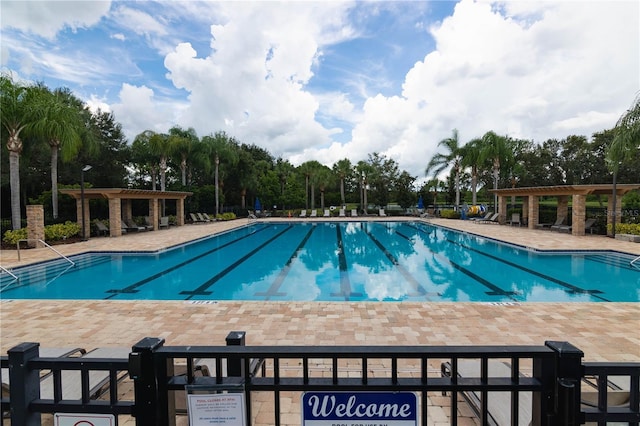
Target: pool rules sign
359, 409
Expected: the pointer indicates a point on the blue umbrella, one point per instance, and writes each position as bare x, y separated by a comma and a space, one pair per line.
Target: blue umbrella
420, 203
257, 205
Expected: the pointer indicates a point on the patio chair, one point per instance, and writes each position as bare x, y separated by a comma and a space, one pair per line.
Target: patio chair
327, 213
314, 213
588, 224
493, 219
498, 403
354, 213
101, 228
202, 218
485, 217
132, 226
515, 219
206, 216
342, 213
147, 224
98, 379
558, 223
194, 218
381, 212
164, 222
303, 213
45, 374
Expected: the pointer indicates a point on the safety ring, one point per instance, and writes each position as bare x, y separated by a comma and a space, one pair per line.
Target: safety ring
332, 208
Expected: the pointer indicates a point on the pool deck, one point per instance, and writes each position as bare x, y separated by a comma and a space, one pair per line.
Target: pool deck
603, 331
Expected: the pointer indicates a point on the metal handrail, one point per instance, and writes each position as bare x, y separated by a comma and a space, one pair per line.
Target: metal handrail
9, 272
633, 261
46, 245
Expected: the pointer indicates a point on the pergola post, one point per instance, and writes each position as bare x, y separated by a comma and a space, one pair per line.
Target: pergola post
180, 212
525, 209
115, 221
153, 213
578, 213
534, 211
87, 216
563, 207
127, 214
613, 210
502, 209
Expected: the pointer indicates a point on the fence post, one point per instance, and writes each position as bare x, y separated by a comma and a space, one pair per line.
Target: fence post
143, 372
568, 376
235, 366
25, 384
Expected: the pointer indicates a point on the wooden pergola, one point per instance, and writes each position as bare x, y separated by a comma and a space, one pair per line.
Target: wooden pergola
531, 197
120, 205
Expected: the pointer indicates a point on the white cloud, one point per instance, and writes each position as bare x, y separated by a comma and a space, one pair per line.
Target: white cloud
46, 18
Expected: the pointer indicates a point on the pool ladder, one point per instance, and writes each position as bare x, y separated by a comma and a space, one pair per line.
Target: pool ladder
46, 245
634, 261
2, 268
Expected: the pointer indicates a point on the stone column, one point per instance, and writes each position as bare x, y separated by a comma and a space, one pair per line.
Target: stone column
115, 221
525, 210
180, 211
126, 209
534, 211
578, 214
563, 207
153, 213
35, 224
611, 210
502, 209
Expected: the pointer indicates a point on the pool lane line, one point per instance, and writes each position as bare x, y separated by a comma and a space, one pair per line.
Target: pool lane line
417, 287
133, 287
495, 290
202, 289
570, 287
275, 285
345, 282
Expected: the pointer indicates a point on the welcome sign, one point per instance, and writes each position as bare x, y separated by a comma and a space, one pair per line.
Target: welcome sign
359, 409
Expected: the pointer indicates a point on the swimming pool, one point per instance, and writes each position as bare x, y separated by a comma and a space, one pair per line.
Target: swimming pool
343, 261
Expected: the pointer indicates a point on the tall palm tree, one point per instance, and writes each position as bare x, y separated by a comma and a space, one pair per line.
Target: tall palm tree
21, 107
184, 143
144, 158
495, 149
61, 125
343, 169
307, 169
452, 158
363, 170
220, 147
322, 178
471, 155
626, 140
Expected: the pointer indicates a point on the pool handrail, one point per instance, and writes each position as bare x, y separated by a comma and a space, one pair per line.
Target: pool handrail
633, 261
46, 245
9, 272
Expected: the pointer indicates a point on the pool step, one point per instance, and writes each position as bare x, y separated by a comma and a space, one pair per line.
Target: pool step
48, 270
618, 261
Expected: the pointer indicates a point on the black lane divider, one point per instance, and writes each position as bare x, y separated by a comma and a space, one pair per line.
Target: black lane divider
133, 287
275, 286
345, 283
570, 287
202, 290
495, 290
407, 276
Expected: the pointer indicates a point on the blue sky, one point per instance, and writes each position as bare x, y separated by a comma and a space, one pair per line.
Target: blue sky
328, 80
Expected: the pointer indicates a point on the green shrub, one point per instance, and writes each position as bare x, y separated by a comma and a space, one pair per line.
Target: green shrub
12, 237
226, 216
449, 214
626, 228
61, 231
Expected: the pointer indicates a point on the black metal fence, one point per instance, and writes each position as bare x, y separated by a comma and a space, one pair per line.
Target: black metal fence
537, 385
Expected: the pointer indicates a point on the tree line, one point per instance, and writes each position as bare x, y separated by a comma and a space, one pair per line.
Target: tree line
50, 135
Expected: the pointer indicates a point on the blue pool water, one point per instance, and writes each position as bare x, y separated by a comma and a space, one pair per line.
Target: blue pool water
345, 261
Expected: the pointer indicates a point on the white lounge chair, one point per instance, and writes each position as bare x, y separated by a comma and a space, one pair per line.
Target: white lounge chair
327, 213
303, 213
354, 213
341, 213
314, 213
381, 212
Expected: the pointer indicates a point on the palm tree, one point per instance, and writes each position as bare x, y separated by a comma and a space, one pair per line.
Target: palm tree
452, 158
471, 155
307, 169
22, 107
495, 149
61, 125
184, 143
343, 169
363, 170
143, 156
322, 178
220, 147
